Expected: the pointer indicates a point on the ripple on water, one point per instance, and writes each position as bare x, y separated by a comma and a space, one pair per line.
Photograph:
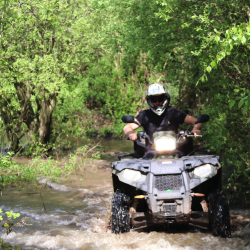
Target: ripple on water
75, 219
77, 239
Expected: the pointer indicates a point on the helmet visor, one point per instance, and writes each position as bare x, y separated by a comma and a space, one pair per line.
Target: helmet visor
159, 99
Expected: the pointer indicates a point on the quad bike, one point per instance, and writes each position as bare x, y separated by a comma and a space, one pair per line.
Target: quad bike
174, 187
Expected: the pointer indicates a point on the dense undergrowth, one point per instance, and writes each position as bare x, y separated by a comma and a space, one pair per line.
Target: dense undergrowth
70, 69
12, 173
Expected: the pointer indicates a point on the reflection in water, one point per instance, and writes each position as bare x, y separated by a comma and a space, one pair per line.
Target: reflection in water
71, 215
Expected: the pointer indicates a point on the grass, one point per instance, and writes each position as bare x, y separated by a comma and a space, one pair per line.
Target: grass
12, 173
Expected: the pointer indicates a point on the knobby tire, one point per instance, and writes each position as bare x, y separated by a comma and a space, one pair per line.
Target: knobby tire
219, 214
120, 218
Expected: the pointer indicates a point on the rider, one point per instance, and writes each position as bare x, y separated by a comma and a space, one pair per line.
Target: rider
160, 116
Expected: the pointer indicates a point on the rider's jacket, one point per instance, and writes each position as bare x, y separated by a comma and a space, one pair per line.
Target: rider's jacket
169, 120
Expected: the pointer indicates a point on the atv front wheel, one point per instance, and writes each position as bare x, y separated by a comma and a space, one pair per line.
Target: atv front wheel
120, 219
219, 214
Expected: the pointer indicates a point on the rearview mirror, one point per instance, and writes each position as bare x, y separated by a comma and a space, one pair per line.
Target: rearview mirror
129, 119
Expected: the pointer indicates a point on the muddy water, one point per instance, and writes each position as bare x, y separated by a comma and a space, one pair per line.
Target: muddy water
71, 215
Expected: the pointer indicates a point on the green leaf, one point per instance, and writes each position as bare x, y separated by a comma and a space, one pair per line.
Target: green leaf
248, 102
231, 104
213, 64
244, 111
243, 40
217, 39
248, 121
241, 102
209, 69
243, 26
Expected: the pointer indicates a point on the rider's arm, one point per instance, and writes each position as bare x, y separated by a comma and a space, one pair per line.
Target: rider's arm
197, 127
129, 130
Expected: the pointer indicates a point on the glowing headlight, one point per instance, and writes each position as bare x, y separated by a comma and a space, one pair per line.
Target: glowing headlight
131, 174
203, 171
165, 144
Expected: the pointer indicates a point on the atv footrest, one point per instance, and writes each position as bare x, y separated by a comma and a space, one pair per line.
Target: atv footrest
140, 220
200, 219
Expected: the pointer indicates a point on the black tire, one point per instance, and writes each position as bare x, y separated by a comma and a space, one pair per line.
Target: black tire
120, 220
219, 214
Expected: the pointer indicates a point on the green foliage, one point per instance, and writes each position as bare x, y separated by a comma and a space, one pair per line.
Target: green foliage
8, 223
78, 160
10, 214
205, 42
67, 70
44, 47
13, 173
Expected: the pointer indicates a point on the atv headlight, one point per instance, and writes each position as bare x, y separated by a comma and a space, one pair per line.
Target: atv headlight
165, 144
203, 170
164, 141
131, 174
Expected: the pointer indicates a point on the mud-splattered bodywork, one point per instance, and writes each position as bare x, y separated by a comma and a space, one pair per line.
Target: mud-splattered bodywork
171, 188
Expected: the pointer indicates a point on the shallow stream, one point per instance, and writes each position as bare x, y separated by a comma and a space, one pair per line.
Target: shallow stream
71, 215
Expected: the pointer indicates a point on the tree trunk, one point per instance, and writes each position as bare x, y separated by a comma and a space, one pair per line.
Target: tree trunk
12, 124
46, 107
14, 143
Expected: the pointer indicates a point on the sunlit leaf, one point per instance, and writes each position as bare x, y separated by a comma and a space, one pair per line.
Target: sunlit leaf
217, 39
209, 69
243, 40
213, 64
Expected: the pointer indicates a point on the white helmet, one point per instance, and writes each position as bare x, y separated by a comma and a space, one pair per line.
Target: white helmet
154, 90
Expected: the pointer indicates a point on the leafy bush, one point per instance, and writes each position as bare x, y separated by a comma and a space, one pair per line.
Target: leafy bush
13, 173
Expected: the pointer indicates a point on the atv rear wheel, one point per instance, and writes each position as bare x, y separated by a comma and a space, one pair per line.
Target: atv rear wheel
219, 214
120, 219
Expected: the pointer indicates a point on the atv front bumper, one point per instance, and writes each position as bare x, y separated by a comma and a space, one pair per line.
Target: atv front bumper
142, 220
